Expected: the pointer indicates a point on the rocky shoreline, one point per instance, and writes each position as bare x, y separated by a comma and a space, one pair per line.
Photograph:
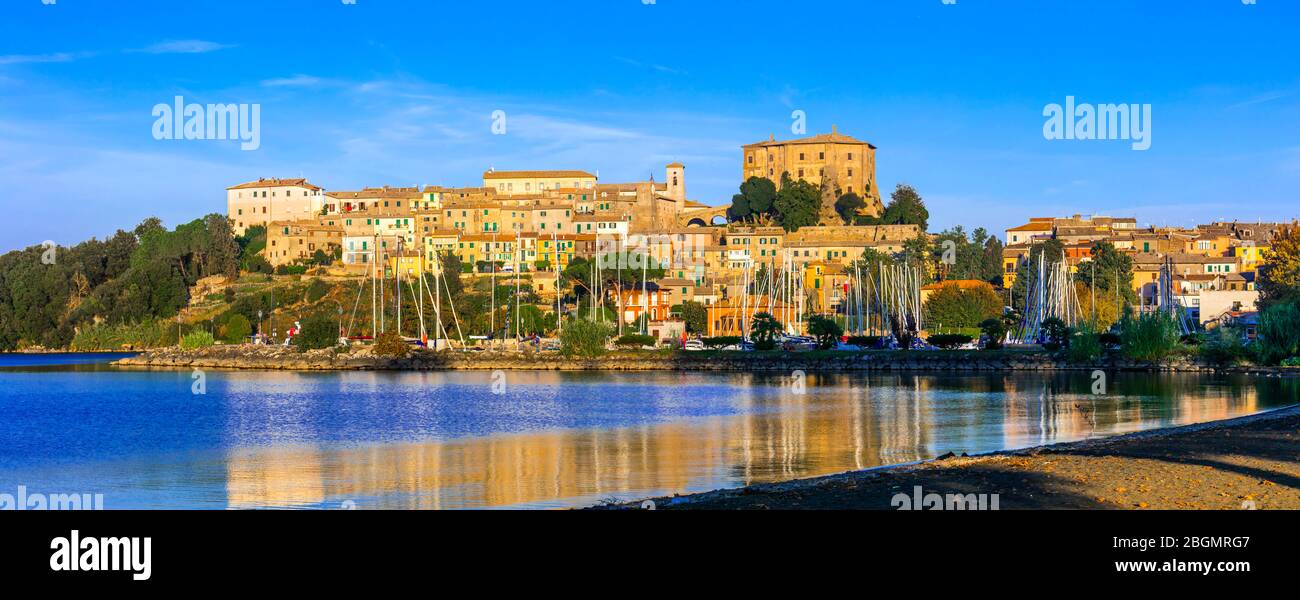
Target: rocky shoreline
1243, 463
282, 358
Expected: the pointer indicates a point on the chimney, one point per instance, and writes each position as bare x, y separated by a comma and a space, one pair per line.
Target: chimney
834, 129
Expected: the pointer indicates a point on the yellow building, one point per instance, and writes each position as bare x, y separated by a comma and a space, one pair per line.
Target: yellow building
289, 242
824, 282
850, 161
1249, 255
409, 263
437, 242
555, 249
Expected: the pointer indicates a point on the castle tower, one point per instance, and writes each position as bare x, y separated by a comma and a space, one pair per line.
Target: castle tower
677, 181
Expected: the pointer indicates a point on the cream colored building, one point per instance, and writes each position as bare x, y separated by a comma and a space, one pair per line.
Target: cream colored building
266, 200
509, 183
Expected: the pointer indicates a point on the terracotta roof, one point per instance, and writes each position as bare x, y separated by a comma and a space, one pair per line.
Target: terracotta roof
826, 138
266, 183
1034, 225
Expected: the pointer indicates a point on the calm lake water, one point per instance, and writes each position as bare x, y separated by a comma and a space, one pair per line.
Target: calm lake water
143, 439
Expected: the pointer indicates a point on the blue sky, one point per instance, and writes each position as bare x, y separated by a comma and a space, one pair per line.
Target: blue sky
401, 93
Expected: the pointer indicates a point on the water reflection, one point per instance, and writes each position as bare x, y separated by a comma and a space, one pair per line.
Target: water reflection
844, 422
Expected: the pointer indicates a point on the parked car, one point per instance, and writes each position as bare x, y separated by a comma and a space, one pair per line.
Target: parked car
693, 345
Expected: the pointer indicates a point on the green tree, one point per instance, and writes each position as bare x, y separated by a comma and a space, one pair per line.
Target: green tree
754, 201
917, 252
578, 276
236, 329
905, 208
764, 330
319, 330
1149, 337
798, 203
995, 329
533, 321
1278, 276
1057, 333
990, 257
847, 206
696, 316
952, 306
827, 331
1279, 331
584, 338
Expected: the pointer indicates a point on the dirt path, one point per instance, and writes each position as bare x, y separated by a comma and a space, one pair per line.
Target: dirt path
1241, 463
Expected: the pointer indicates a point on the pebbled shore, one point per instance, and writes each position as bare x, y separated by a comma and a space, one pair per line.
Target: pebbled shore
281, 358
1247, 462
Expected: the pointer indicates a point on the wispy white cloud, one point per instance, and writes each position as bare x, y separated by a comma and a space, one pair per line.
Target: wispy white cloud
183, 47
295, 81
56, 57
1259, 99
652, 66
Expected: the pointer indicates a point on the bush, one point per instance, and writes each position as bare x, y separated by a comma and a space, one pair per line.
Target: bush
764, 330
1294, 361
995, 329
391, 344
1085, 345
317, 289
584, 338
256, 263
949, 341
865, 341
955, 306
721, 341
318, 331
696, 316
827, 331
1057, 333
635, 340
230, 294
197, 339
237, 329
1224, 345
150, 333
1110, 339
1279, 332
1149, 337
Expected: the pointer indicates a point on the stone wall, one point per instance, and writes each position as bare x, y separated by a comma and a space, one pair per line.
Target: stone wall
278, 358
